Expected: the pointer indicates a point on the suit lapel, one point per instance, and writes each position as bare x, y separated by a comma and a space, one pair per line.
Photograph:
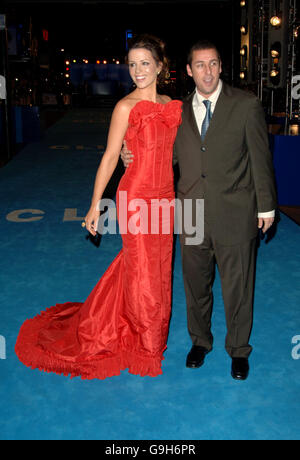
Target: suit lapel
221, 112
191, 117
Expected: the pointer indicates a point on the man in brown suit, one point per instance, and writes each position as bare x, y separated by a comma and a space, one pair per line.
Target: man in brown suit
223, 157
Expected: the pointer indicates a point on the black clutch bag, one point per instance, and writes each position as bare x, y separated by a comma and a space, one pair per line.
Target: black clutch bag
94, 239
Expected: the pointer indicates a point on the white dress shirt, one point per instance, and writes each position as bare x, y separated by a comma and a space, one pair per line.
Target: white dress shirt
200, 112
199, 107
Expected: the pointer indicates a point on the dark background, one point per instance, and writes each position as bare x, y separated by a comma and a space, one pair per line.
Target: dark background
99, 29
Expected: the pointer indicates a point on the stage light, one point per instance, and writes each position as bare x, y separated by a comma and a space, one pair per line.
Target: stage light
242, 75
104, 62
275, 21
74, 60
243, 30
274, 54
278, 43
243, 51
98, 62
243, 3
275, 50
67, 62
275, 77
67, 75
118, 62
294, 130
62, 50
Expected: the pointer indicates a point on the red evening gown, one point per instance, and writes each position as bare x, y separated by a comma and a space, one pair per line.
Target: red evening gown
124, 322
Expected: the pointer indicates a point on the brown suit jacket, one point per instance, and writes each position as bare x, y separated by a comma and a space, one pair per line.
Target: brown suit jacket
232, 169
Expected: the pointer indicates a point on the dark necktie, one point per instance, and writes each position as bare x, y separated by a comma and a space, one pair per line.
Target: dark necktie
207, 118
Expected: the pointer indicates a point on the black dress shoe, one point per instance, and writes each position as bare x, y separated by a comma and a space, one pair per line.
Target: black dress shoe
240, 368
196, 356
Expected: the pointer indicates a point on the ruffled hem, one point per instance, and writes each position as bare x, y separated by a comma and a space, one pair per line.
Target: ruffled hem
95, 368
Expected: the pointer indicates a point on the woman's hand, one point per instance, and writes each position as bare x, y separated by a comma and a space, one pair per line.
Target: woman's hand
126, 155
91, 220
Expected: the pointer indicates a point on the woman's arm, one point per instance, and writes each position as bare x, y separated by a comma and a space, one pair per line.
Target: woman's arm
117, 131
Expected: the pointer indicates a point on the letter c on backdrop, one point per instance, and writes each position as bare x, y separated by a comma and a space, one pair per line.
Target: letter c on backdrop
15, 216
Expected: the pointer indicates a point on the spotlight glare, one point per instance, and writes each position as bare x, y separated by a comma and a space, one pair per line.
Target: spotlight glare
275, 50
275, 21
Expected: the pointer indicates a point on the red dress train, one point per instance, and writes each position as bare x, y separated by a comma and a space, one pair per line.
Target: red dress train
124, 321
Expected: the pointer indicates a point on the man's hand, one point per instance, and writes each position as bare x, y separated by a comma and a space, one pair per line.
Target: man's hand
265, 223
126, 155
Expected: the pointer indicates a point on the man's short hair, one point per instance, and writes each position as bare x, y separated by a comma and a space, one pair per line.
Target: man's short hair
202, 45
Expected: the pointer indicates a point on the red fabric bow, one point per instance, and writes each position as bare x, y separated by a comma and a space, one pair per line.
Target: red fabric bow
144, 111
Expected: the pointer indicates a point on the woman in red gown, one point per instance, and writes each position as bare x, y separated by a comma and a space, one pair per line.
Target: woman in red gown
124, 322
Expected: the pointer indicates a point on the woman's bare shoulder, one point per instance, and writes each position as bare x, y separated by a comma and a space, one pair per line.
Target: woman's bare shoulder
127, 103
121, 111
124, 105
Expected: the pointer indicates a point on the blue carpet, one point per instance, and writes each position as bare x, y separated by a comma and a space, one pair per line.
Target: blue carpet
48, 261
